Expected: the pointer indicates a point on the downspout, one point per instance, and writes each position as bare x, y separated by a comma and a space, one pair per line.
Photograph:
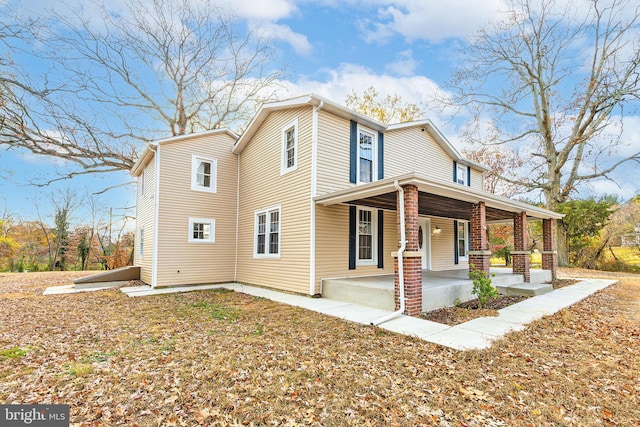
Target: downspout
156, 209
314, 191
235, 263
403, 246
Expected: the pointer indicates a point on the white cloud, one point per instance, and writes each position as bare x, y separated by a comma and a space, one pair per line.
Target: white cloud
265, 10
404, 65
432, 20
298, 42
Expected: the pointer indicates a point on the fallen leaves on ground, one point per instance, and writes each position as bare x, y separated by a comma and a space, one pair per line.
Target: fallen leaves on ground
225, 358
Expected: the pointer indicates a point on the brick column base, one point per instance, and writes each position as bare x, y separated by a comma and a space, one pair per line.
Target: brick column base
521, 264
412, 284
480, 261
550, 262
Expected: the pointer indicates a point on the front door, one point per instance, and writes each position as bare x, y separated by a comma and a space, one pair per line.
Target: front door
424, 242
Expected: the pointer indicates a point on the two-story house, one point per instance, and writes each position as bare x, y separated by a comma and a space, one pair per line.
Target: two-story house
312, 191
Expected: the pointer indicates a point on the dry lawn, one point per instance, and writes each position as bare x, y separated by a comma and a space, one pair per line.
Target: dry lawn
221, 358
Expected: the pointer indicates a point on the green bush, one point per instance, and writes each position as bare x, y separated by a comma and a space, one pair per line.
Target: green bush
482, 287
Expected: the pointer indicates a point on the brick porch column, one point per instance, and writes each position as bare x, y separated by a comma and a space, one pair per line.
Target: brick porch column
520, 255
412, 258
549, 254
479, 255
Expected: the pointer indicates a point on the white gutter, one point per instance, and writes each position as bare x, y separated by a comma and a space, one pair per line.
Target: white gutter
156, 225
235, 263
314, 190
403, 246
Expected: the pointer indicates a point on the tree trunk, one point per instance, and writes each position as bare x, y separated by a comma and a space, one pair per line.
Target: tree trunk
561, 245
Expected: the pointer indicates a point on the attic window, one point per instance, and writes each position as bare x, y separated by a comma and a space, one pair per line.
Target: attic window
203, 174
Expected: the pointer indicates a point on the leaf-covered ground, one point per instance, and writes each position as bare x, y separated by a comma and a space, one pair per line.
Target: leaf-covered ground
222, 358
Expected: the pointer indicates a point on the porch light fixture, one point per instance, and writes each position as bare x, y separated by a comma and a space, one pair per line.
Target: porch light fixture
437, 230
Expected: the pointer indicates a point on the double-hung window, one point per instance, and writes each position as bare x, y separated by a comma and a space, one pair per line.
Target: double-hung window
463, 240
202, 230
366, 155
289, 157
141, 184
366, 236
461, 175
267, 233
203, 174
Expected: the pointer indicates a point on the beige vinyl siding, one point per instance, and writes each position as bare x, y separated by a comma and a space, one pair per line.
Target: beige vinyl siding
332, 245
477, 180
333, 153
411, 150
442, 246
145, 221
181, 261
263, 187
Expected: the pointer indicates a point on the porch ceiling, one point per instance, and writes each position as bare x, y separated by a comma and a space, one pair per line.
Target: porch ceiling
437, 198
434, 205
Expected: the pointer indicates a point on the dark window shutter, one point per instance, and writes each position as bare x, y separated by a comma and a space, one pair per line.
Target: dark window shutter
455, 242
353, 150
469, 176
380, 155
353, 219
381, 239
455, 171
468, 230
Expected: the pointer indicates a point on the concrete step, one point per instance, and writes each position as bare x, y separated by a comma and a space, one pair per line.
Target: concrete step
526, 289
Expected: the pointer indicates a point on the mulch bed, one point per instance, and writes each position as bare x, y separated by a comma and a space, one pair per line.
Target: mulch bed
469, 310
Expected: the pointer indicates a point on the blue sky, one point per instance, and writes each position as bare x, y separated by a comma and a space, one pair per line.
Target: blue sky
330, 47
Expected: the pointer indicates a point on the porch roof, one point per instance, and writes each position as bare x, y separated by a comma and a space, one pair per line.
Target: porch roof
437, 198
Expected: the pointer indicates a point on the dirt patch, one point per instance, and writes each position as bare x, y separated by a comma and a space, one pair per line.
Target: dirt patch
469, 310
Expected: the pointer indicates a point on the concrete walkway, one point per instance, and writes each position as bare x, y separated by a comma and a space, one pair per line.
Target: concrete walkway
475, 334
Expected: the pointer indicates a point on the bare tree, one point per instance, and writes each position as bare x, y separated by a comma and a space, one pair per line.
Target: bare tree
553, 82
160, 68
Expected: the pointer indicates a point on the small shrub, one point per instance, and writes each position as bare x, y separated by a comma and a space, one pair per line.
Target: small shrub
482, 287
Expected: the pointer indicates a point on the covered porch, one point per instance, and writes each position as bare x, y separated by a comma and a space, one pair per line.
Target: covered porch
439, 288
414, 197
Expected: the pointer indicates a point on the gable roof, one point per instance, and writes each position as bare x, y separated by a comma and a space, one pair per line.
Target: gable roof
346, 113
149, 150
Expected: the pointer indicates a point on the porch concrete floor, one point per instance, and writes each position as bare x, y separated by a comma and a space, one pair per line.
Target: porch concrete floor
439, 288
475, 334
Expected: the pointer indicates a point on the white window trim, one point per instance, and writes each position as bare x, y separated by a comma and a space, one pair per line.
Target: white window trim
195, 159
267, 211
466, 240
464, 170
374, 237
374, 154
283, 156
212, 231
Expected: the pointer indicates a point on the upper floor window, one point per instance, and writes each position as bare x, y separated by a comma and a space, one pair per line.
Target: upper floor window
267, 233
203, 174
289, 158
141, 184
367, 168
461, 175
202, 230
